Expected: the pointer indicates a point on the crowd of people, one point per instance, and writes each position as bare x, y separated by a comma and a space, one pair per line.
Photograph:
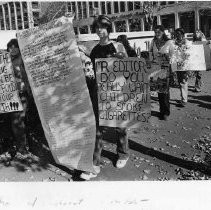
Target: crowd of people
20, 122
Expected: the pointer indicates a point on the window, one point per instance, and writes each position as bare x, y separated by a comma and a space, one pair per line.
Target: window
79, 10
116, 7
96, 4
75, 30
84, 10
108, 5
36, 18
74, 9
18, 9
162, 3
69, 7
103, 8
25, 15
134, 25
130, 6
24, 6
35, 5
122, 6
1, 18
120, 26
137, 5
90, 9
11, 5
92, 29
83, 30
6, 10
171, 2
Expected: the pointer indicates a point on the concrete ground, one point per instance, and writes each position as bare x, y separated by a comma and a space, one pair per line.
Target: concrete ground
177, 149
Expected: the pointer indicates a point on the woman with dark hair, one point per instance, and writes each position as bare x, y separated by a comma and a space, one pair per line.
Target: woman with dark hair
159, 41
124, 40
105, 49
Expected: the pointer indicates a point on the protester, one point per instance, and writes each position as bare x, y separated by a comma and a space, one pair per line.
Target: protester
198, 36
124, 40
21, 120
178, 47
158, 42
104, 49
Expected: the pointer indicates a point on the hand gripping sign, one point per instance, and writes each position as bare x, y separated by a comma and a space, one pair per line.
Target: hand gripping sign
9, 96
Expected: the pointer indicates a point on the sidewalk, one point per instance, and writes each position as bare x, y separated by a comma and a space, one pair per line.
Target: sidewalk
164, 150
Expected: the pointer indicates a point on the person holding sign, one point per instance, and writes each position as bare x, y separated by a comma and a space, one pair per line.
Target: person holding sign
198, 36
157, 44
105, 49
177, 50
180, 45
20, 119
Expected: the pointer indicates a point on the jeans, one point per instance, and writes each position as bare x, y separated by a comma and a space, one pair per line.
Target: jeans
198, 82
164, 103
122, 140
183, 83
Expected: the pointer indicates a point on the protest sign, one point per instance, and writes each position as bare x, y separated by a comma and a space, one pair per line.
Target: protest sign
9, 96
123, 92
159, 76
55, 73
195, 57
207, 53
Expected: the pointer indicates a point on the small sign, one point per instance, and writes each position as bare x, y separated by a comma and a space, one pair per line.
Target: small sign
9, 96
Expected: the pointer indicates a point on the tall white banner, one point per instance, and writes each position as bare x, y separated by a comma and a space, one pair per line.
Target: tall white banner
55, 73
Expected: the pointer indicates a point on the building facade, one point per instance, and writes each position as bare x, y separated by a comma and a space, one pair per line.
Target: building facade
126, 16
19, 15
190, 15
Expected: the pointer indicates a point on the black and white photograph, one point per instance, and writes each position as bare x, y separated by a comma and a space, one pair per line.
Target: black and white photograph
96, 94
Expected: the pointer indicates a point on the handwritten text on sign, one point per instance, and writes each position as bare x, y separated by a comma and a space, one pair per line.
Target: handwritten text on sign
9, 98
191, 58
123, 92
55, 73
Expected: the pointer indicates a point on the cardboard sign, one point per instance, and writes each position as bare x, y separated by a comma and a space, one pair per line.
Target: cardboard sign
9, 96
123, 92
55, 73
159, 76
195, 57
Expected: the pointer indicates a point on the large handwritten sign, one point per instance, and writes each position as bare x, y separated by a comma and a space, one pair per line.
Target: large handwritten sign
123, 92
9, 98
55, 73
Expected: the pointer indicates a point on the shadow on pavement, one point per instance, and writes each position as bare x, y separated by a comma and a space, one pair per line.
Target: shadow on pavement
202, 100
109, 136
190, 165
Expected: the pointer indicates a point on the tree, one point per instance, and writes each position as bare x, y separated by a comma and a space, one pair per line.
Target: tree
148, 11
54, 10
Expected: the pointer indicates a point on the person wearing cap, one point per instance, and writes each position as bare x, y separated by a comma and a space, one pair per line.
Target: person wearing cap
105, 49
156, 48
